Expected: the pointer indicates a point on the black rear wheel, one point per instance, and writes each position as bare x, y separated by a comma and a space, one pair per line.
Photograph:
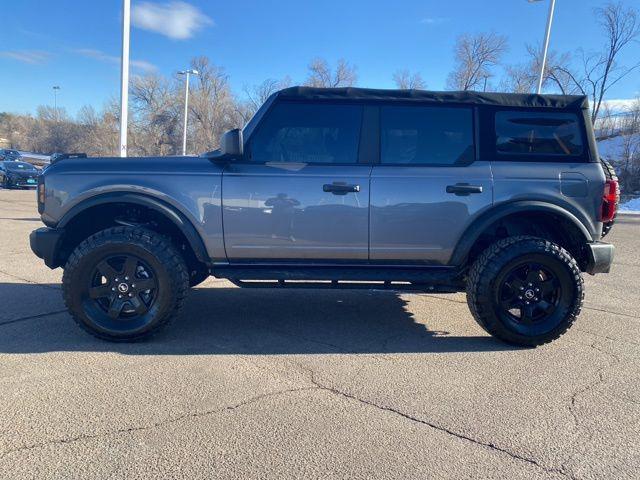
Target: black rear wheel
525, 290
124, 283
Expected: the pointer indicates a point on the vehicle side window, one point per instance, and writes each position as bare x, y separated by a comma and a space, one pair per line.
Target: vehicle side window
426, 136
308, 133
541, 133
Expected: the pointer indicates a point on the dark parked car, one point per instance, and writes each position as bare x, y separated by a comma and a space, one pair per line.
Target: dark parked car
501, 196
15, 174
8, 155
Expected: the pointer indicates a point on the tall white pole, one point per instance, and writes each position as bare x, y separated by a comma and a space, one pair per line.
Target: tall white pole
124, 76
186, 115
547, 35
56, 88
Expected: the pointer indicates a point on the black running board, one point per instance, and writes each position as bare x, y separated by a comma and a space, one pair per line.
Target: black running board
430, 279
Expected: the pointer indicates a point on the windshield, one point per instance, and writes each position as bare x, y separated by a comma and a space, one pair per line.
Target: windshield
19, 166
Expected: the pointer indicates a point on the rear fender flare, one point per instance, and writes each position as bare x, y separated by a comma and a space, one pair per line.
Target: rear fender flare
473, 232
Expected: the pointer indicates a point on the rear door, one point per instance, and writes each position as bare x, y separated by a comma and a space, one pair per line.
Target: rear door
427, 187
302, 190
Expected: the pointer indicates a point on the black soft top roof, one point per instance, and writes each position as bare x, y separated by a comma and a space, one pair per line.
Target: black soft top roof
566, 102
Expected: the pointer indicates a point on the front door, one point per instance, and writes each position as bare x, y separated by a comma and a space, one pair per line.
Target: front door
301, 192
428, 186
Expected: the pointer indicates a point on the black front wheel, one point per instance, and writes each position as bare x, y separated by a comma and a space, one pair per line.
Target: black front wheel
124, 283
525, 290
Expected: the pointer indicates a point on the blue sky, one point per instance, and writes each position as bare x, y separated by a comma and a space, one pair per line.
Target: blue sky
76, 43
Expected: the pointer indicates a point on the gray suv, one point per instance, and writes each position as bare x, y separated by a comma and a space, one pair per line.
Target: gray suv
499, 195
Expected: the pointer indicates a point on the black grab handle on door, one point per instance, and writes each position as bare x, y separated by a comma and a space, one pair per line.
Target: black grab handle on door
461, 189
340, 188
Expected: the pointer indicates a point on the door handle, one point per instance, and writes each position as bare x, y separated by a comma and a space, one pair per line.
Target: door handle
463, 189
339, 188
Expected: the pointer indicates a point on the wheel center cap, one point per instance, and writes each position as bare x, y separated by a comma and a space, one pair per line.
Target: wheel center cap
529, 294
123, 288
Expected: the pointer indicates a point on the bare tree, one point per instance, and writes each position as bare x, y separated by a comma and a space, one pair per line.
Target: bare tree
213, 106
475, 56
558, 74
258, 94
156, 115
601, 71
321, 74
405, 80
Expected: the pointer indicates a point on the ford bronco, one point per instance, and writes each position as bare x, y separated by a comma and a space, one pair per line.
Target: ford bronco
501, 196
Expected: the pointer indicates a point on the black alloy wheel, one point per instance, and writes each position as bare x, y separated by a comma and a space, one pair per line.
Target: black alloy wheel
528, 293
124, 288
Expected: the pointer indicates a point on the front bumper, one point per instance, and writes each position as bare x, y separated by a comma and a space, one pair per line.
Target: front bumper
45, 243
600, 257
22, 181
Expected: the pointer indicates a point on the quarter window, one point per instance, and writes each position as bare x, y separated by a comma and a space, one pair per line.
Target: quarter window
426, 136
308, 133
541, 133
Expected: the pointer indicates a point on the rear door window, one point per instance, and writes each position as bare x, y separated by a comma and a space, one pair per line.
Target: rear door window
308, 133
436, 136
538, 133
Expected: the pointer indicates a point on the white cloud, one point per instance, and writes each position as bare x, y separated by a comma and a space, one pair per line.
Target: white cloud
176, 20
26, 56
433, 20
103, 57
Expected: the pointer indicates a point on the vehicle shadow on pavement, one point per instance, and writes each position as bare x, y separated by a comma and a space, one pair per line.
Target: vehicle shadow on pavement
259, 322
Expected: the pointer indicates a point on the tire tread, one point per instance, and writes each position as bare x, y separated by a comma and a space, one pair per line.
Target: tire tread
487, 267
157, 244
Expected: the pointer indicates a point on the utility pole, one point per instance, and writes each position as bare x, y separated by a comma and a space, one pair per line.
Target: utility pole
124, 76
186, 106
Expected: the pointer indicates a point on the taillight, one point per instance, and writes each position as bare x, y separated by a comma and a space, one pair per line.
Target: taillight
610, 200
41, 193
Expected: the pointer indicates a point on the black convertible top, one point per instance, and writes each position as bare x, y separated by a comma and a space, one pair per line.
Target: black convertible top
566, 102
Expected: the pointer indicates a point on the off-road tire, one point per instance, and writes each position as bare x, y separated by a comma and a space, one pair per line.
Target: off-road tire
155, 249
488, 269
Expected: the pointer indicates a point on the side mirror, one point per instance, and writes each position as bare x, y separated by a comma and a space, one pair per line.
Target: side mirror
231, 143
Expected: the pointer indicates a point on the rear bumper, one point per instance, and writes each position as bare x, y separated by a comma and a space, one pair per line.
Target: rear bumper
600, 257
45, 244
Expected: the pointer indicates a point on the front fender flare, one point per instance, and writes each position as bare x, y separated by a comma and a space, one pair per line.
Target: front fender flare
171, 213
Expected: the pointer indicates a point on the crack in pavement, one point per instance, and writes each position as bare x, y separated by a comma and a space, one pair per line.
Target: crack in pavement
32, 317
440, 428
43, 285
611, 311
599, 380
169, 421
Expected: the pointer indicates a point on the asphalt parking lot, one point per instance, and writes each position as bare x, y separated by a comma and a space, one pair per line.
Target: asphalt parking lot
313, 384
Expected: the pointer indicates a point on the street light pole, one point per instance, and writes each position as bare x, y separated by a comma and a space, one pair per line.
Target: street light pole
186, 107
124, 76
547, 36
56, 88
